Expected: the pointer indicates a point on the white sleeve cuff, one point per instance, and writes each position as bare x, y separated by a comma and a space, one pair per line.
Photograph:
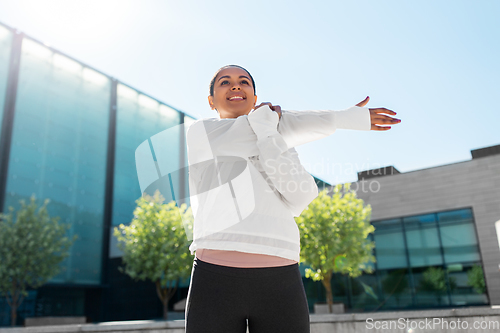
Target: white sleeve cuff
355, 118
264, 122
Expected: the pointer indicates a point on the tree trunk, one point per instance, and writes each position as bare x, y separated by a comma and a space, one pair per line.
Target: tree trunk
165, 294
165, 310
14, 304
13, 314
327, 283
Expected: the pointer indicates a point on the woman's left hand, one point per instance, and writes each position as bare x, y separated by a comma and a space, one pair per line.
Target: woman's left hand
275, 108
377, 117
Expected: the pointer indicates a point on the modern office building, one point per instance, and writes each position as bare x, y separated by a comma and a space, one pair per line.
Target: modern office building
69, 133
435, 234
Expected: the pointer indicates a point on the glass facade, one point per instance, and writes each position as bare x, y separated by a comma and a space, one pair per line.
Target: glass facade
5, 49
139, 117
423, 261
57, 152
62, 144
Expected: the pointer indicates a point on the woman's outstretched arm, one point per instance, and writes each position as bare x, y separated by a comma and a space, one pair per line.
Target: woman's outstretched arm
234, 137
300, 127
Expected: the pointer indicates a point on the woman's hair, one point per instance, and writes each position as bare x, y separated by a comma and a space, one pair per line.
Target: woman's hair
212, 82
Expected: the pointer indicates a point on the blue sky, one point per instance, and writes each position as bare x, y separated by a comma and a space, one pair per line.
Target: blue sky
436, 63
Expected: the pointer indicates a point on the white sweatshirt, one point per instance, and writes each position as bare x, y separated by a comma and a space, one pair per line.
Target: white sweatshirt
246, 181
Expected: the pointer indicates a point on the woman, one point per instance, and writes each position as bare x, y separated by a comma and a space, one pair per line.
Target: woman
247, 184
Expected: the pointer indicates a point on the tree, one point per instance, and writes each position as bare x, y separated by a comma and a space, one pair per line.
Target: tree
32, 247
155, 245
434, 280
475, 279
395, 283
333, 237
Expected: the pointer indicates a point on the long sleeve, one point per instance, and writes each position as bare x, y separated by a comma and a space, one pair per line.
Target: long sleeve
281, 163
234, 137
300, 127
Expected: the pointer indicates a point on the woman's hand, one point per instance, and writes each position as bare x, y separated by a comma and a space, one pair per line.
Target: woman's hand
275, 108
377, 117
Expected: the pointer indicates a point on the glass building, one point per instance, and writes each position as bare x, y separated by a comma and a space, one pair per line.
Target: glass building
422, 261
69, 133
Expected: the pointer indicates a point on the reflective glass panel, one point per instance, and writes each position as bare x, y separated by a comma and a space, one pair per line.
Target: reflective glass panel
58, 151
423, 240
389, 244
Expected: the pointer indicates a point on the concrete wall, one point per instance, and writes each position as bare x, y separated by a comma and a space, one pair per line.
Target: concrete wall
474, 183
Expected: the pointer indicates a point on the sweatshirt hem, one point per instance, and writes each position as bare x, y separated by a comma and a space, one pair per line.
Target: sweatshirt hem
242, 247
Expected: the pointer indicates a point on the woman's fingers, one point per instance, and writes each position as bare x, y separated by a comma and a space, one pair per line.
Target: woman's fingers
382, 110
377, 116
275, 108
265, 103
380, 116
363, 102
383, 119
380, 128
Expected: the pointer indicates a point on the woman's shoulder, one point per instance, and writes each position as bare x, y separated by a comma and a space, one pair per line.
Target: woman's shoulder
208, 121
216, 124
210, 128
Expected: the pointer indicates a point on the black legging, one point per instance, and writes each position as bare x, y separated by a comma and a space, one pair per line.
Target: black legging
221, 298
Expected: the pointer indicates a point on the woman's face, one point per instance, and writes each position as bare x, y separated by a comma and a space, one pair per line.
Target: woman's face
233, 93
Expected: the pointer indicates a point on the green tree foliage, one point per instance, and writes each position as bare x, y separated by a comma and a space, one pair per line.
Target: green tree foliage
155, 246
32, 247
434, 280
333, 237
475, 279
395, 283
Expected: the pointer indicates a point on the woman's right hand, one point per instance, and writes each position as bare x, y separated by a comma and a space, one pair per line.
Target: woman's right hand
275, 108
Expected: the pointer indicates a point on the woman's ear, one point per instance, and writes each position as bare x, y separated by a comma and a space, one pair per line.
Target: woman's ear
211, 102
255, 100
